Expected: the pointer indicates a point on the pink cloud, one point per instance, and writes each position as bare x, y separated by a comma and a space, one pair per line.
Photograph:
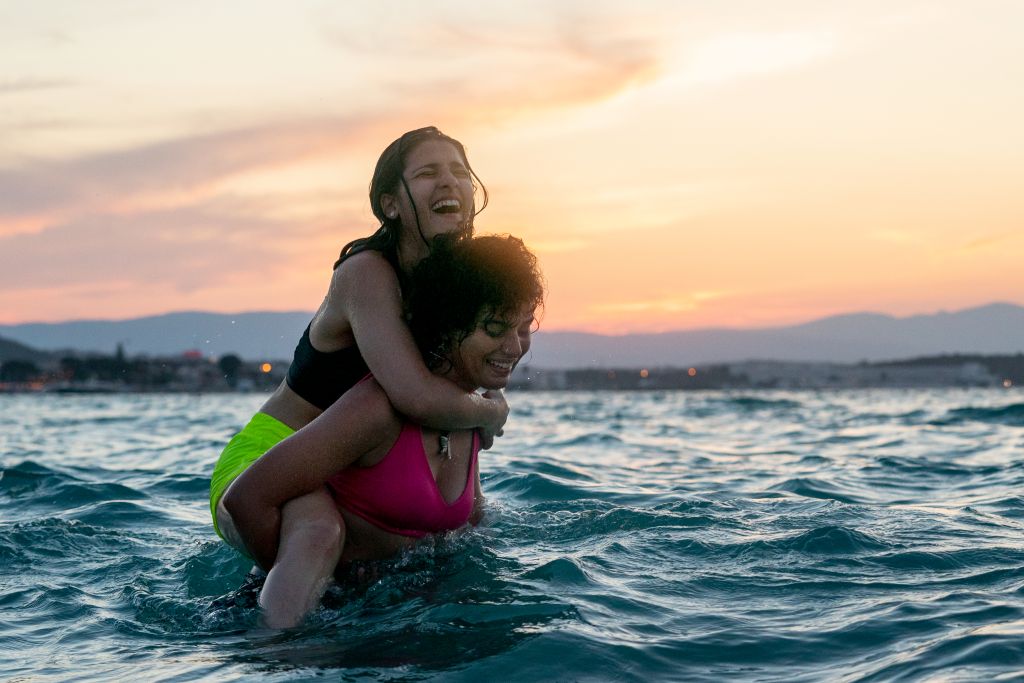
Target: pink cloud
98, 181
189, 247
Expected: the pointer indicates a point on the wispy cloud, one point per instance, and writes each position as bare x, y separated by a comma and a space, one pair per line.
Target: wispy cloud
26, 85
986, 241
50, 123
525, 57
101, 181
187, 247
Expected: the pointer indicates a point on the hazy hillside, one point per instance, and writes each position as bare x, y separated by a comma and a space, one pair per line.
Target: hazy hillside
251, 335
12, 350
992, 329
996, 329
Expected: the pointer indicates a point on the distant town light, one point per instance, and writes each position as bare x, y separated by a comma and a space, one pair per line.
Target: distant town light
692, 372
1007, 383
266, 367
644, 373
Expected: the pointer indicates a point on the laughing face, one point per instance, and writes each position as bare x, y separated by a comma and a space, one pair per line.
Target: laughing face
440, 193
485, 359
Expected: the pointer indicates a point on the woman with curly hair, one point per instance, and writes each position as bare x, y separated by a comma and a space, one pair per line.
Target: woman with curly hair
392, 481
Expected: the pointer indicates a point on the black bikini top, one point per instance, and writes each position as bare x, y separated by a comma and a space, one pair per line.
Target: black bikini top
321, 378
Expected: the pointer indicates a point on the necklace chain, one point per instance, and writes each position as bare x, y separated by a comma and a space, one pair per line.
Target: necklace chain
444, 445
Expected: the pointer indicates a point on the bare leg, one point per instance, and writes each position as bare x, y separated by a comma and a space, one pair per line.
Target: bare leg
312, 537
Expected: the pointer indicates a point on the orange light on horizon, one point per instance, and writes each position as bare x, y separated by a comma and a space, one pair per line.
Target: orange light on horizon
266, 367
692, 372
644, 373
1007, 383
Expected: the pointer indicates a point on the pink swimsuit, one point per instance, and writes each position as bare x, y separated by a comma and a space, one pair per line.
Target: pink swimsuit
399, 493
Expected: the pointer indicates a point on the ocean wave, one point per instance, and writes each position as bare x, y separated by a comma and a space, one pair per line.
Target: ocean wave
597, 520
755, 403
562, 570
930, 468
825, 541
812, 487
967, 654
193, 486
831, 540
944, 560
50, 539
591, 439
678, 536
1010, 415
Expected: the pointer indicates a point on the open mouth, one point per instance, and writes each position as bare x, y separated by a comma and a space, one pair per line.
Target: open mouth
446, 206
501, 365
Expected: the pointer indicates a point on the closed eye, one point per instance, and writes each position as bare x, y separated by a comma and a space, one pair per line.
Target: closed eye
495, 328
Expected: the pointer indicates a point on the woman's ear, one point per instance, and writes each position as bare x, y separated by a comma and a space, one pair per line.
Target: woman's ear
389, 205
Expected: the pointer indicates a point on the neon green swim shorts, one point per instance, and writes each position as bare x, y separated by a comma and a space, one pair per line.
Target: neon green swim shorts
245, 448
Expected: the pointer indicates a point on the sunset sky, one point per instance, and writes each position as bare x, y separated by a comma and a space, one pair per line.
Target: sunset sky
674, 164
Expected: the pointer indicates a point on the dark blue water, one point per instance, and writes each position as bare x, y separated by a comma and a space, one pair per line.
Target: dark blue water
776, 536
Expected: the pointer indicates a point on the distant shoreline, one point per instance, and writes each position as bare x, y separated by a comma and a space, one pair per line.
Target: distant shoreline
192, 373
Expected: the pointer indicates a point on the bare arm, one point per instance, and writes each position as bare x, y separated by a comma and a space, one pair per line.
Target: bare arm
372, 304
361, 420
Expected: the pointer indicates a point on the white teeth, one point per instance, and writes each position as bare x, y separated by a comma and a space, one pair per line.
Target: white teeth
504, 365
443, 203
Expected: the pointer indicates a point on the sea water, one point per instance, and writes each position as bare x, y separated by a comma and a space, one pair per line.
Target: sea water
773, 536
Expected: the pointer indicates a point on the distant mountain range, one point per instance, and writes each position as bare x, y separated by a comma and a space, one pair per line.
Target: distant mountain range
12, 350
993, 329
254, 336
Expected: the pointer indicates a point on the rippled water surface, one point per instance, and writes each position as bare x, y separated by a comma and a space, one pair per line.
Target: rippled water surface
778, 536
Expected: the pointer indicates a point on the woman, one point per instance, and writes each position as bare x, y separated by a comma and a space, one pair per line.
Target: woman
422, 187
471, 312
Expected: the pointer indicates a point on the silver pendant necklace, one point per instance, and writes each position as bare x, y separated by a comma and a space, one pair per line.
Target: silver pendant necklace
444, 449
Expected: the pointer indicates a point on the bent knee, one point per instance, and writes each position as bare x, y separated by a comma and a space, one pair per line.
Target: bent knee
228, 530
323, 533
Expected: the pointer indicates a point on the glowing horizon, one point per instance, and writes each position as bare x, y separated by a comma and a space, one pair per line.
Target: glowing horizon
674, 168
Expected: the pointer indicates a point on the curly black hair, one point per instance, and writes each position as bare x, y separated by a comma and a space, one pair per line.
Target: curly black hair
464, 280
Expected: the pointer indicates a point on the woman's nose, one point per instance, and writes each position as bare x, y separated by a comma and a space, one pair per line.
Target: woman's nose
524, 343
511, 344
447, 178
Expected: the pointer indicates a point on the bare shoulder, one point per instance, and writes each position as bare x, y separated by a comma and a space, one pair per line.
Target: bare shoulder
365, 266
366, 292
365, 279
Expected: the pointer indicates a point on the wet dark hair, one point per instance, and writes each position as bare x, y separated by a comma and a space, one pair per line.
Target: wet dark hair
463, 279
387, 179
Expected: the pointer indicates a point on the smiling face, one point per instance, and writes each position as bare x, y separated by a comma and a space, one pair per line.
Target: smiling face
439, 197
470, 306
485, 359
